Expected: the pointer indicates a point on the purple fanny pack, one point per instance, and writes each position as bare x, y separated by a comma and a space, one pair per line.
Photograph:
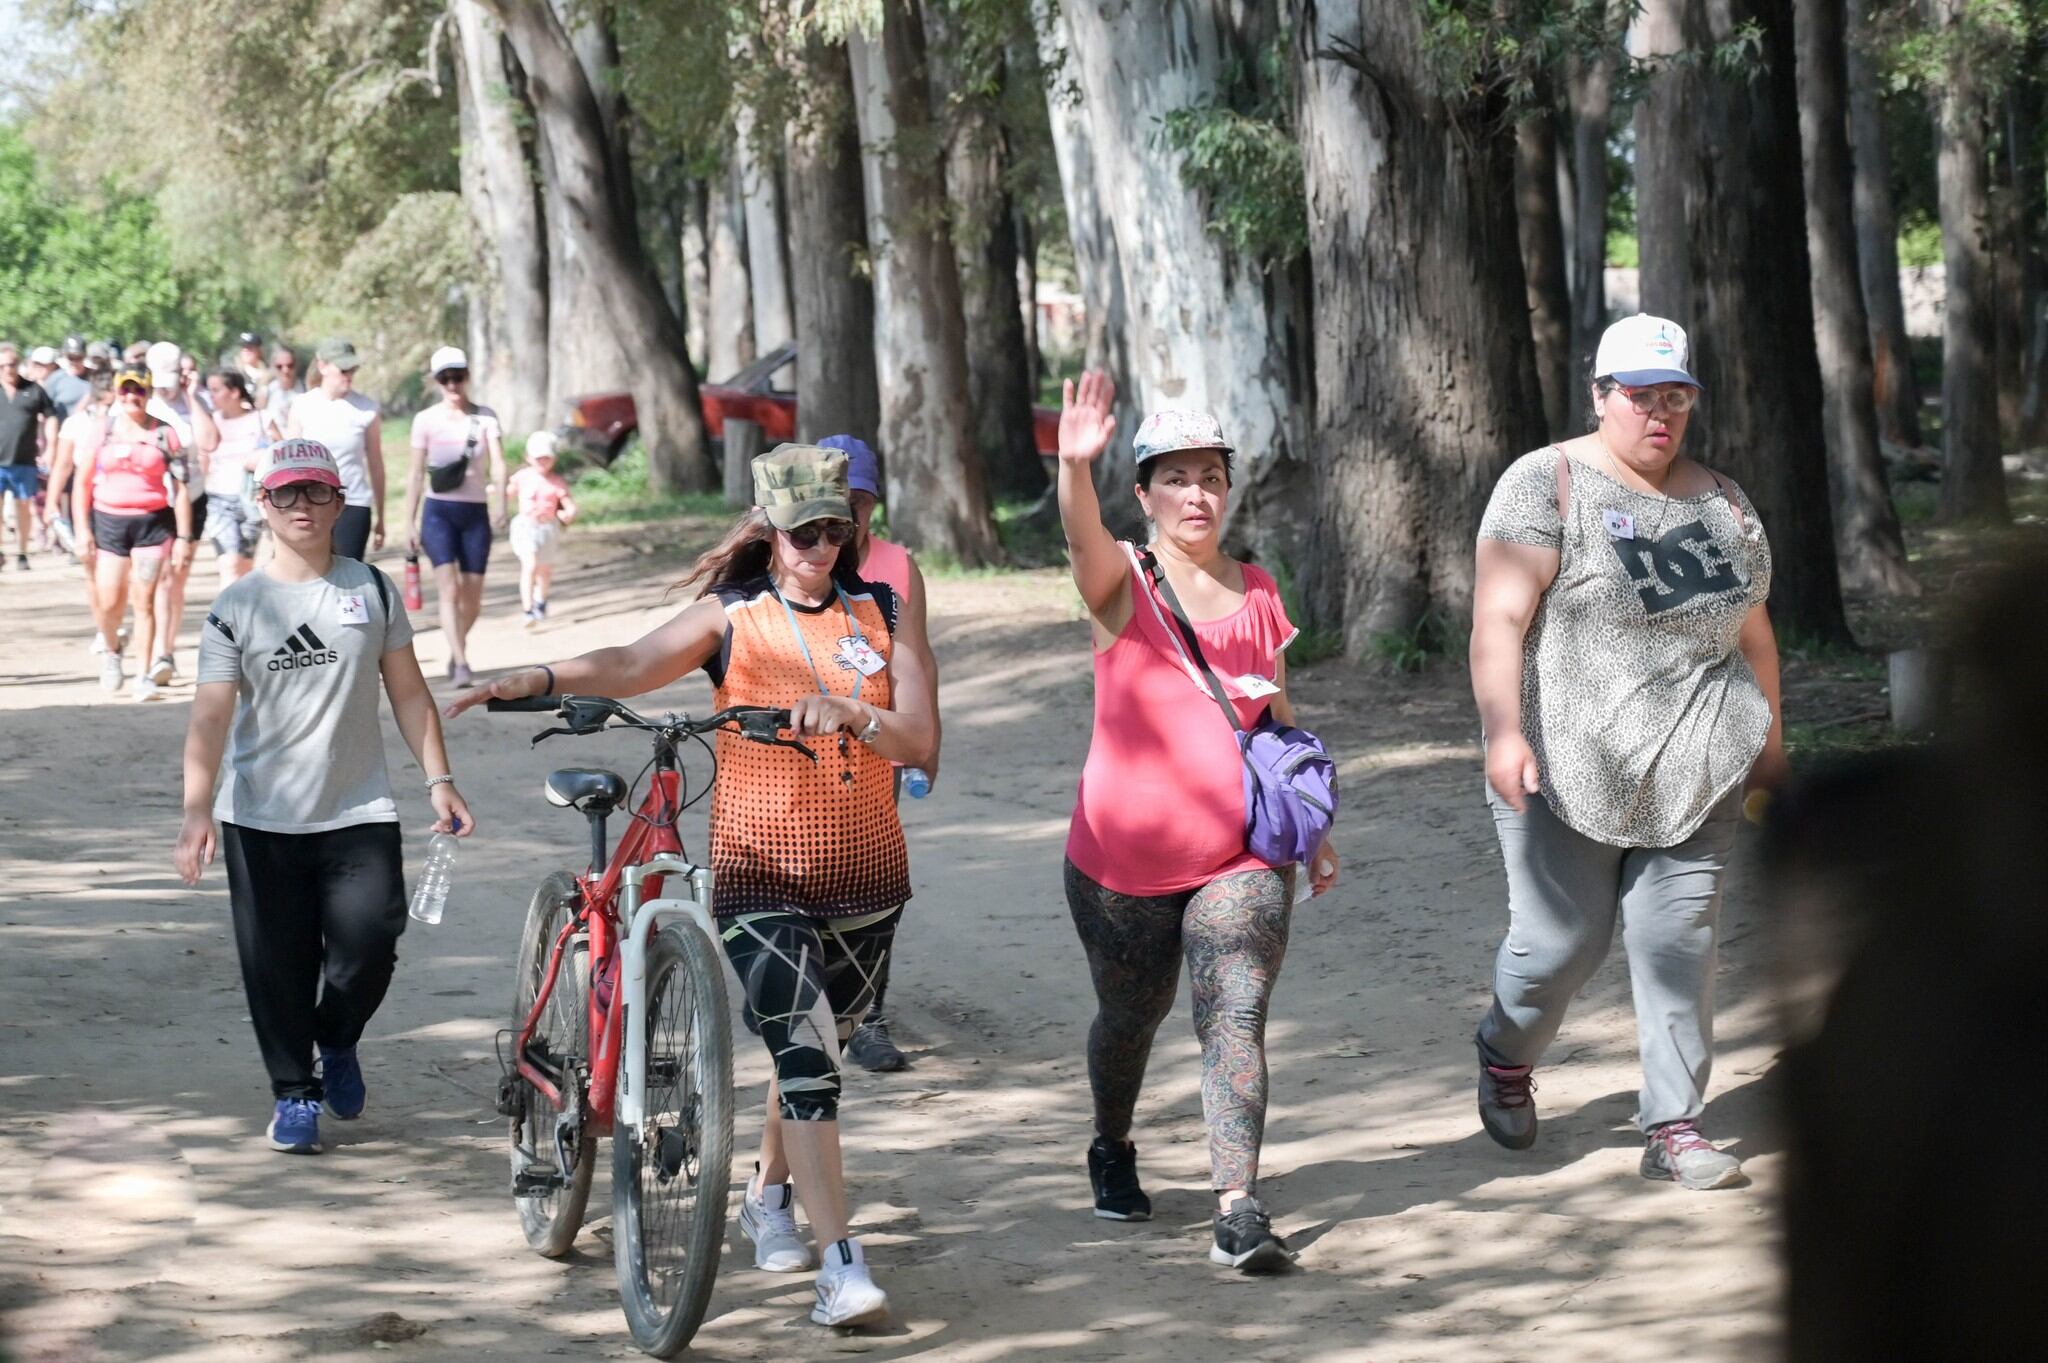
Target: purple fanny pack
1290, 781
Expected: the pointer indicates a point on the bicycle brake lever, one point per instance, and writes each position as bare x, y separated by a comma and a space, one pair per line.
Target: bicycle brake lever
546, 734
798, 744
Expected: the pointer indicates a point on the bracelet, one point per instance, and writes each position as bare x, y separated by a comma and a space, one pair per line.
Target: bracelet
188, 539
433, 781
543, 667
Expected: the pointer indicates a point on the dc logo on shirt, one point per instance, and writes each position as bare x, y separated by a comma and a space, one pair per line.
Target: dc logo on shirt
302, 649
1668, 573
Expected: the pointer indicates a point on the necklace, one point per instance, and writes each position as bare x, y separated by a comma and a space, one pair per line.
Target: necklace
1663, 499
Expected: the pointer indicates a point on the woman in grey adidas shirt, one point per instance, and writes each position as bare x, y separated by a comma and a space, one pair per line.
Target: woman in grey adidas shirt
294, 655
1627, 680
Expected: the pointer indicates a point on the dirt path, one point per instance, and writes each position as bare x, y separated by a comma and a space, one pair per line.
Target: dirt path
140, 1217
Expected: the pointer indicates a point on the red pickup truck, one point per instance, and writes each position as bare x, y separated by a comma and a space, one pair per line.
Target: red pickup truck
764, 392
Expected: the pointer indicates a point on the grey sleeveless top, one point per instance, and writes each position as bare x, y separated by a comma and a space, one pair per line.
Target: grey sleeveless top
1641, 711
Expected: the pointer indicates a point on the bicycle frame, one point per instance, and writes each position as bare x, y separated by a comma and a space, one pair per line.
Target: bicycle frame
628, 893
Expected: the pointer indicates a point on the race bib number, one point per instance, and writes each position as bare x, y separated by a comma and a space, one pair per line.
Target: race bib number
354, 610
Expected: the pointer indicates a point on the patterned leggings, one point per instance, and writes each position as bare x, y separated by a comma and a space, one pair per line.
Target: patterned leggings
808, 984
1234, 933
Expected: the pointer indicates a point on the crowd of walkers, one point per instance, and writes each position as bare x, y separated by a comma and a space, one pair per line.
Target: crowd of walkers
129, 459
1622, 662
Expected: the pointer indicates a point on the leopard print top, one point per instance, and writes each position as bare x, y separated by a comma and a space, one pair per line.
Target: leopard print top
1641, 710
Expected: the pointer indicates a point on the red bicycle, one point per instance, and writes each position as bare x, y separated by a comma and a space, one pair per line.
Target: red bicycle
623, 1025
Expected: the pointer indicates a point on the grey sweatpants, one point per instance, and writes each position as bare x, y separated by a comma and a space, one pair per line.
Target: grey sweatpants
1564, 890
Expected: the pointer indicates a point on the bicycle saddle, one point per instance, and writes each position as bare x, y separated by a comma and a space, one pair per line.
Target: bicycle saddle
586, 788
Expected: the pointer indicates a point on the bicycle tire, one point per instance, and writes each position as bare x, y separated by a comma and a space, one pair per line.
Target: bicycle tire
666, 1269
551, 1219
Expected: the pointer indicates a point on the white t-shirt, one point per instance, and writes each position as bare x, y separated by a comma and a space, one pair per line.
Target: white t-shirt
444, 434
242, 439
341, 424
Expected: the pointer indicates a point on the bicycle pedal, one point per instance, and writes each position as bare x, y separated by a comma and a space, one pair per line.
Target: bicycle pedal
537, 1182
511, 1100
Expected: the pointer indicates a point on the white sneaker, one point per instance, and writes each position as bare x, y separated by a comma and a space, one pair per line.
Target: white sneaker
98, 646
145, 689
770, 1222
112, 674
163, 670
846, 1294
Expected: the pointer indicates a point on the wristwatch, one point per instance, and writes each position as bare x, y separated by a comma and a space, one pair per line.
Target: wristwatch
874, 727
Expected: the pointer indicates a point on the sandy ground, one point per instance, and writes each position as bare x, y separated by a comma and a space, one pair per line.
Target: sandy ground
141, 1218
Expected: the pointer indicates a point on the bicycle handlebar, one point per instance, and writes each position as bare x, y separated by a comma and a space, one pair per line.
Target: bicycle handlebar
590, 714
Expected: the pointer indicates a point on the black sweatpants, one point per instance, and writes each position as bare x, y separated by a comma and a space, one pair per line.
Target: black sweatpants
317, 921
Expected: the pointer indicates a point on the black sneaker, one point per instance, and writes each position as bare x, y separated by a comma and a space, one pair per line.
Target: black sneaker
1507, 1107
1245, 1239
871, 1048
1113, 1170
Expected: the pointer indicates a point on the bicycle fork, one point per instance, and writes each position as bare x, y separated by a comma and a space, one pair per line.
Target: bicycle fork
640, 925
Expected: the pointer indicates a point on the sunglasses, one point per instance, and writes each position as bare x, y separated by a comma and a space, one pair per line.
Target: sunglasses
838, 534
131, 385
312, 494
452, 376
1673, 402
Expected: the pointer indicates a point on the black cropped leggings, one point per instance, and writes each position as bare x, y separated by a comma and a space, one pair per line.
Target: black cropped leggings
808, 984
1233, 932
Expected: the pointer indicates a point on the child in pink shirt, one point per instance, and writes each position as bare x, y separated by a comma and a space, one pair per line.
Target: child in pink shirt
545, 506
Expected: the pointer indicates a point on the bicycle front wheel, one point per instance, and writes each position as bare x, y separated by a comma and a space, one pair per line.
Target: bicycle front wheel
670, 1179
550, 1191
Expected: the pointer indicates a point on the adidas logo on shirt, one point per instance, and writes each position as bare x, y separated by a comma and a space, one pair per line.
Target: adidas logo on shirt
302, 649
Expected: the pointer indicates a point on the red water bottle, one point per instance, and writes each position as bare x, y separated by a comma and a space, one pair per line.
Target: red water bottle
413, 600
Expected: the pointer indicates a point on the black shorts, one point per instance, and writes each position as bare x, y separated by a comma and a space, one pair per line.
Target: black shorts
123, 535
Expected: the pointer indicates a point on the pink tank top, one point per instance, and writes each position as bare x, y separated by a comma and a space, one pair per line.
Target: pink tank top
128, 475
888, 563
1161, 807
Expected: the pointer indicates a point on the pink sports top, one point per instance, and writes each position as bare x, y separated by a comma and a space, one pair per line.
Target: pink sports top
1161, 807
540, 495
890, 563
130, 471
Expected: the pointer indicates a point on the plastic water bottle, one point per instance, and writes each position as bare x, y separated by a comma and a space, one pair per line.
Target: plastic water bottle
413, 599
430, 894
917, 782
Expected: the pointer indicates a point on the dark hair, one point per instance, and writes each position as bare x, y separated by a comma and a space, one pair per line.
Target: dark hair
1151, 466
745, 553
232, 378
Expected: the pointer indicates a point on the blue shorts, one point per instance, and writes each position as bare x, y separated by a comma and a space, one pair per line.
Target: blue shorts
458, 533
19, 479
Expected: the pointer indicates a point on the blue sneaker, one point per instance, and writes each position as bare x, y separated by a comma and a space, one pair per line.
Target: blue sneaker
295, 1128
341, 1075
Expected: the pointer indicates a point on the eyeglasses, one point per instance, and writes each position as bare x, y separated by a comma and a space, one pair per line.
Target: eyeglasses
1670, 401
838, 534
291, 494
136, 386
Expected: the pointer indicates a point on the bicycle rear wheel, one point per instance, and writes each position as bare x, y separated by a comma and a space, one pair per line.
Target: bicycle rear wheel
670, 1180
551, 1198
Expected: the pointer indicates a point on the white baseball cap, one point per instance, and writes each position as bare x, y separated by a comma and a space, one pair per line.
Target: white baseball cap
42, 354
1642, 350
163, 364
541, 445
1175, 428
297, 460
446, 358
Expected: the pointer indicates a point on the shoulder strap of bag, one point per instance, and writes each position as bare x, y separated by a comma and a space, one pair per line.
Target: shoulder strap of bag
383, 595
1157, 576
1564, 485
1728, 492
469, 447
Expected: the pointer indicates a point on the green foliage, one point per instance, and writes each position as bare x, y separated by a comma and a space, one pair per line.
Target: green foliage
1624, 249
98, 261
1413, 649
1919, 241
1313, 644
619, 493
1485, 51
1248, 171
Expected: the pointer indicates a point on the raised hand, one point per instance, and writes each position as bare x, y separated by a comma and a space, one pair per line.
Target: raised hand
1087, 417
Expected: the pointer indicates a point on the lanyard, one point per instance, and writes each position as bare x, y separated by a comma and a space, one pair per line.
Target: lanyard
797, 630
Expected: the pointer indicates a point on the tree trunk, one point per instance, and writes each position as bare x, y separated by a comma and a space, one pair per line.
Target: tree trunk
1206, 330
1870, 553
835, 304
1591, 91
2031, 178
938, 497
2023, 272
1099, 276
985, 246
696, 249
767, 257
1896, 388
1426, 372
729, 338
1541, 229
498, 185
594, 186
1973, 471
1720, 202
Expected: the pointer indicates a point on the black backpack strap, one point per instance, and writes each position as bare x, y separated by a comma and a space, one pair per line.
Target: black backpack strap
1157, 576
383, 594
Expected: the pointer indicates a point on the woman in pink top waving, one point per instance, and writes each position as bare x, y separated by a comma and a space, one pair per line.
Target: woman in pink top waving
1157, 866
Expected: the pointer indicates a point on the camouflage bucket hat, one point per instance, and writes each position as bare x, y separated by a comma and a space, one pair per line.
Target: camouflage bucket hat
798, 484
